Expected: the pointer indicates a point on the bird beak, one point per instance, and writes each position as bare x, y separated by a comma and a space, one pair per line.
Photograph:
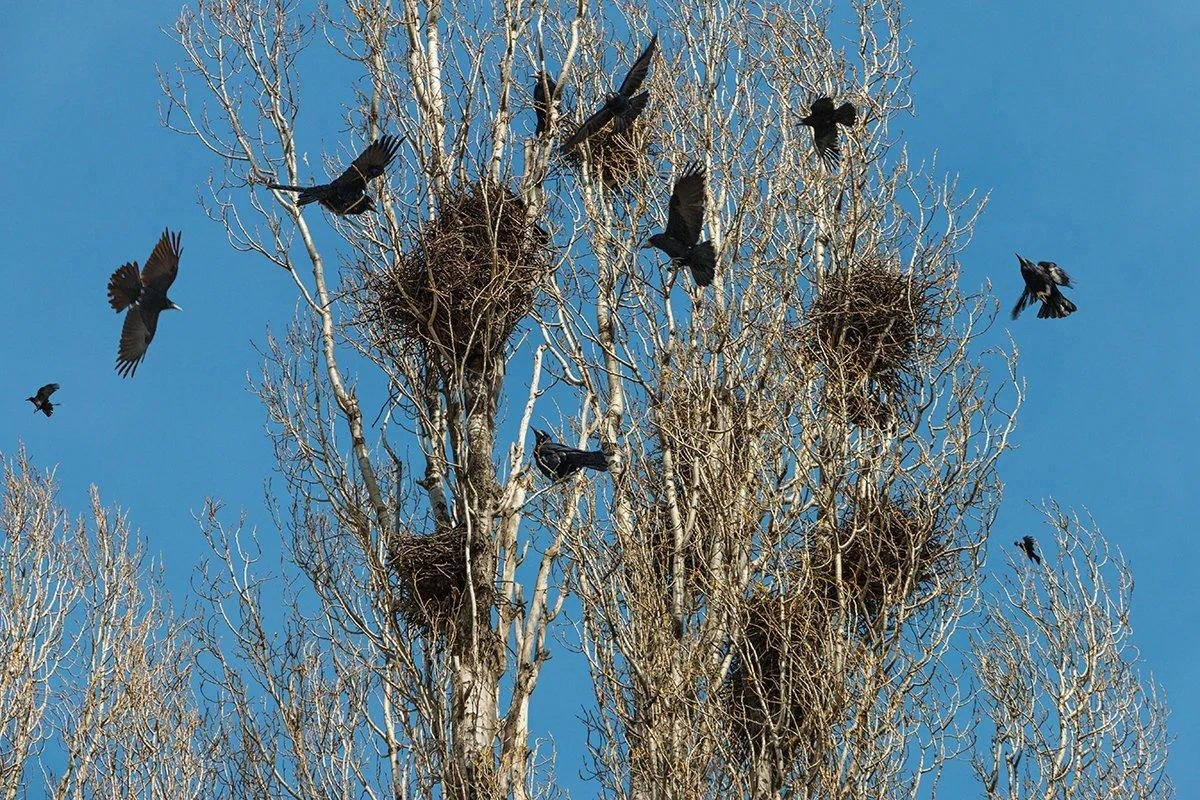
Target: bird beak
177, 308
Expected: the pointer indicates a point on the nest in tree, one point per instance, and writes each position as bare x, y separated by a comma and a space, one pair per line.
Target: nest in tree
431, 574
866, 322
863, 408
468, 282
618, 160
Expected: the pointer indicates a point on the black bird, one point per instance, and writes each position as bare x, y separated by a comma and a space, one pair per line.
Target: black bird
146, 297
545, 96
347, 194
684, 221
1029, 548
41, 400
823, 118
621, 107
557, 461
1041, 283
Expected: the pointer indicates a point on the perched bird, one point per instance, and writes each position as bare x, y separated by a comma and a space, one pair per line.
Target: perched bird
145, 296
681, 241
1041, 283
1029, 548
621, 107
823, 118
41, 400
557, 461
347, 194
545, 96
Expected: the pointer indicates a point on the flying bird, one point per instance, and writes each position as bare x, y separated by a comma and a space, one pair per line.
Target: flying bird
557, 461
545, 96
1041, 283
1029, 548
823, 118
145, 296
347, 194
681, 241
621, 107
41, 400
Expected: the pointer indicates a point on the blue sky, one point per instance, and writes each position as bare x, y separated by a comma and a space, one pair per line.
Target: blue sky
1077, 116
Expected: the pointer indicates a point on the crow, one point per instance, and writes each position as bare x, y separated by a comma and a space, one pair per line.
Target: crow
557, 461
684, 221
1029, 548
145, 296
1041, 283
41, 400
621, 107
347, 194
545, 96
823, 118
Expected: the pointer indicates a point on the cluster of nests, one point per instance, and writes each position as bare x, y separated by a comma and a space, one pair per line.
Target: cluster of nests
866, 328
879, 557
432, 574
467, 282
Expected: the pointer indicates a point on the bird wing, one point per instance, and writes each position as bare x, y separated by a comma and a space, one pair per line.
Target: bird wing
686, 216
136, 334
370, 163
624, 120
590, 126
163, 264
821, 107
1022, 301
637, 73
846, 113
1055, 273
44, 393
826, 141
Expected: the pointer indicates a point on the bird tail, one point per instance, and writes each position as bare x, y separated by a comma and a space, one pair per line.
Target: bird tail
1022, 301
124, 287
846, 114
703, 261
1056, 306
594, 459
308, 194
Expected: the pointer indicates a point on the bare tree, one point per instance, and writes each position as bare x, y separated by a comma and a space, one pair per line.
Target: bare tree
1068, 713
95, 672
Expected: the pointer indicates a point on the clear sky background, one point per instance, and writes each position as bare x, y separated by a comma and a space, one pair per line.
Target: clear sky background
1078, 116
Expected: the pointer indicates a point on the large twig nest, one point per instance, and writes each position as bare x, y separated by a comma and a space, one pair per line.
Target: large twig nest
432, 575
468, 282
618, 160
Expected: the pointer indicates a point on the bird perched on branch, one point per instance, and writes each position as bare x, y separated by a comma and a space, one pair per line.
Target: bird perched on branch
681, 241
823, 118
545, 97
347, 194
557, 461
621, 107
41, 400
145, 296
1029, 548
1041, 283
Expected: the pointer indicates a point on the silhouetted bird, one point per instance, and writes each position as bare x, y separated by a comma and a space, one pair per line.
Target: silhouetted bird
684, 221
622, 107
557, 461
1041, 283
823, 118
41, 400
1029, 548
545, 96
146, 297
347, 194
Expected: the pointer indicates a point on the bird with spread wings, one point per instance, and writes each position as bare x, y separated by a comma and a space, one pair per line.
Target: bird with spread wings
685, 219
621, 107
145, 295
347, 194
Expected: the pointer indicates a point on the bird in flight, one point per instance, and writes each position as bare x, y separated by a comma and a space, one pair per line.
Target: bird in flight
621, 107
1041, 283
145, 296
347, 194
545, 96
823, 118
1029, 548
557, 461
685, 218
41, 400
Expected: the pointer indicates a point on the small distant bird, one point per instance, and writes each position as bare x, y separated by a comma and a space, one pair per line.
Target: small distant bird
621, 107
41, 400
1041, 283
347, 194
684, 221
823, 118
557, 461
145, 296
1029, 548
545, 96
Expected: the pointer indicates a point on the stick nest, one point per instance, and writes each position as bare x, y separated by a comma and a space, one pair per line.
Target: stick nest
431, 575
618, 160
469, 280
